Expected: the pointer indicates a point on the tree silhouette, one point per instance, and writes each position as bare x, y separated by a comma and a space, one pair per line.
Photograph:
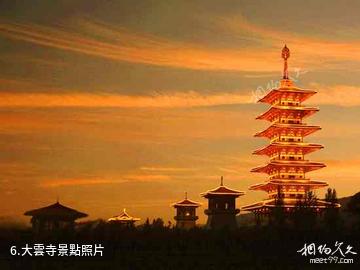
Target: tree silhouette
277, 214
353, 207
331, 214
305, 211
158, 223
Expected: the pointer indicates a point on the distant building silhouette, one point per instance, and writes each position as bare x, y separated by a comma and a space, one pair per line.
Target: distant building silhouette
186, 213
53, 217
222, 207
123, 219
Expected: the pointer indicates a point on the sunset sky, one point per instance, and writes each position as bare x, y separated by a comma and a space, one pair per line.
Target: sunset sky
113, 104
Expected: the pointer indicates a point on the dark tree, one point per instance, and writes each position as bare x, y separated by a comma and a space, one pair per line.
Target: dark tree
278, 215
353, 207
158, 223
331, 214
305, 212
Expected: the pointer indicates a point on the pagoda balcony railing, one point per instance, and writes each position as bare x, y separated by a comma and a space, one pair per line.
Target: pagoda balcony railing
221, 211
288, 159
288, 178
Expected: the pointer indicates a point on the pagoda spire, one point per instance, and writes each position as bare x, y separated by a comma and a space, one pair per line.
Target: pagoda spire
186, 195
222, 181
285, 54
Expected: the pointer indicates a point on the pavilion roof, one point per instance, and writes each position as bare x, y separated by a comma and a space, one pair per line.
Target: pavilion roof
222, 190
186, 202
124, 217
56, 210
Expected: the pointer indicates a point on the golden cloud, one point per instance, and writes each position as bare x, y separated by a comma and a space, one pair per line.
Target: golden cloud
123, 45
177, 100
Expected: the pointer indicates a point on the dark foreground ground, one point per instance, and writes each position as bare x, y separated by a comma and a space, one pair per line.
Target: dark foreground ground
164, 248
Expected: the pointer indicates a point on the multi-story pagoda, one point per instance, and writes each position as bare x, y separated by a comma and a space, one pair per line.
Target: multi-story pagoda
222, 209
123, 219
186, 213
287, 149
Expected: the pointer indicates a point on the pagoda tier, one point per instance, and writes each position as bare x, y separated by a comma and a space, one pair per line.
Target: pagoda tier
294, 185
289, 203
287, 114
287, 166
287, 94
278, 129
288, 149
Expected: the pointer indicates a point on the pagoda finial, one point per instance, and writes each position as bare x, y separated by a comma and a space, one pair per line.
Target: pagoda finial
57, 199
285, 54
124, 210
222, 181
186, 195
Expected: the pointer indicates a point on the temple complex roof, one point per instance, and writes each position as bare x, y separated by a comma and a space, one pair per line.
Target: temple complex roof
56, 211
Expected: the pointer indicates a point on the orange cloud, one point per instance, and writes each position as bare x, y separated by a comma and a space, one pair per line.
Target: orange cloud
177, 100
341, 95
119, 44
167, 169
307, 50
122, 45
147, 177
100, 181
76, 182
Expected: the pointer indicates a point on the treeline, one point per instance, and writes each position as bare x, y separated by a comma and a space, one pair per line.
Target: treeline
309, 215
273, 244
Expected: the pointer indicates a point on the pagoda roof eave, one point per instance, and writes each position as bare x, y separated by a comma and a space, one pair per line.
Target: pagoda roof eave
288, 203
222, 190
305, 129
307, 111
281, 182
186, 203
310, 166
269, 97
310, 147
